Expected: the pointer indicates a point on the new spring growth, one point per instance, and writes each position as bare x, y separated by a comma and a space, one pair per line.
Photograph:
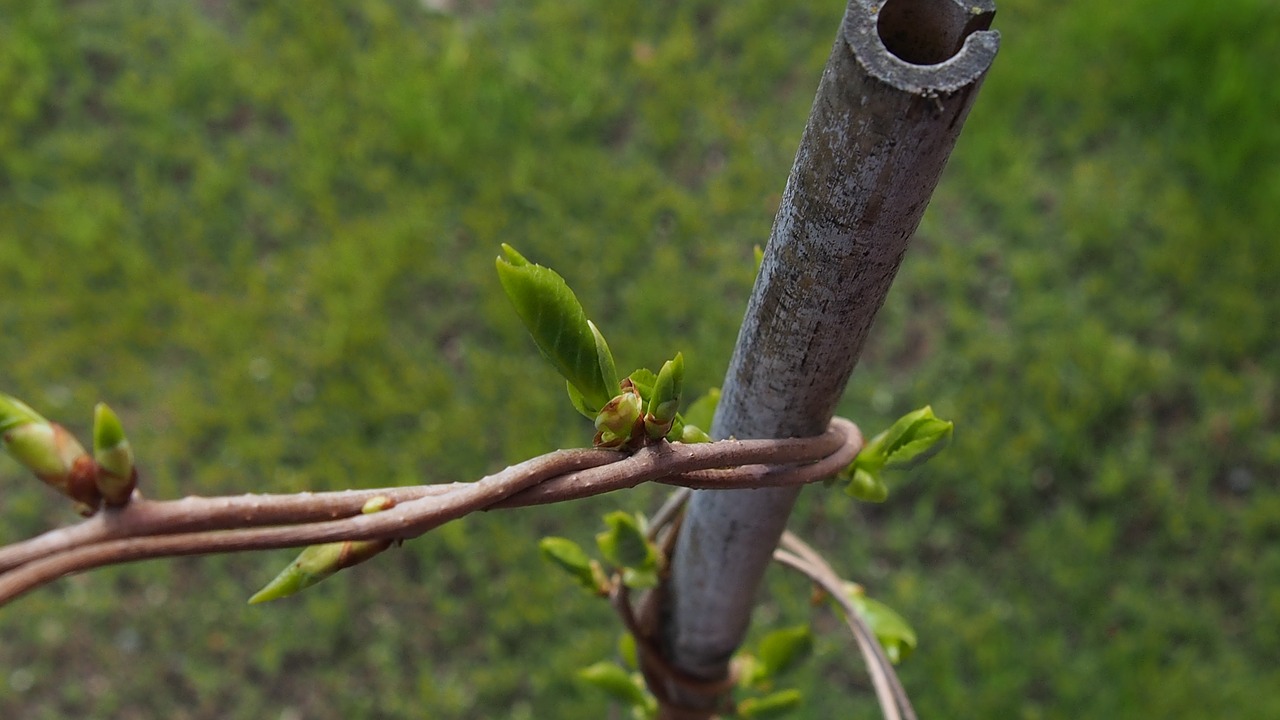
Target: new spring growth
895, 634
117, 476
321, 561
620, 421
665, 400
559, 326
49, 451
910, 441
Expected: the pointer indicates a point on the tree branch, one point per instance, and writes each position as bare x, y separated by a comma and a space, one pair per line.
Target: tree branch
147, 529
798, 555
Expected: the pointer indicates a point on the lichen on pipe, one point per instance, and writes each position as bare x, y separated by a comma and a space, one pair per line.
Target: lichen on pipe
891, 102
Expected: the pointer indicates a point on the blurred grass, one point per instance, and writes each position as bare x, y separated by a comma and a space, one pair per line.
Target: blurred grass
265, 234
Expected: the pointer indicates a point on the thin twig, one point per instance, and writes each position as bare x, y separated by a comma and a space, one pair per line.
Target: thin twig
893, 699
194, 526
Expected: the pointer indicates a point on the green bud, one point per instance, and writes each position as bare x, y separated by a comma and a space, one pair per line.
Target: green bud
665, 401
51, 452
43, 450
14, 412
867, 486
318, 562
620, 421
377, 503
117, 476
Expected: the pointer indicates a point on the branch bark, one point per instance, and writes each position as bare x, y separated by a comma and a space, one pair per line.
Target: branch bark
893, 97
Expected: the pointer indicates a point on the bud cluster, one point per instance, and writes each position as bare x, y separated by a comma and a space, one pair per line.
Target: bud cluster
54, 455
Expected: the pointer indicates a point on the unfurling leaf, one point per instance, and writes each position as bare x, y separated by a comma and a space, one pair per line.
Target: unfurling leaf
643, 380
560, 328
604, 358
910, 441
117, 475
894, 633
664, 402
318, 562
625, 546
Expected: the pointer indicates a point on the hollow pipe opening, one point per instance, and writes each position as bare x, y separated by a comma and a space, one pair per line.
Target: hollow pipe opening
923, 32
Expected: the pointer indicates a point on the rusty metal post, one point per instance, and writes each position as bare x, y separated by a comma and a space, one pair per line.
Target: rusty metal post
890, 105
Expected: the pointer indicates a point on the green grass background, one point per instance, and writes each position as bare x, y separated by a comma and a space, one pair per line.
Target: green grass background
264, 232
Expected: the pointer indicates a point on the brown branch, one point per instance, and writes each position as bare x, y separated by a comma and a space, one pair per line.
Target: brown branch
194, 526
799, 556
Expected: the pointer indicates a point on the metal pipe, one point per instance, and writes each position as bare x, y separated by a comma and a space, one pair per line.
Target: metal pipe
890, 105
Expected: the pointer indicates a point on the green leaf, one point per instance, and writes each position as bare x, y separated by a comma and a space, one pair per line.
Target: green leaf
627, 650
559, 327
643, 380
703, 410
783, 649
624, 545
911, 440
893, 632
774, 705
571, 558
614, 679
604, 359
580, 403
